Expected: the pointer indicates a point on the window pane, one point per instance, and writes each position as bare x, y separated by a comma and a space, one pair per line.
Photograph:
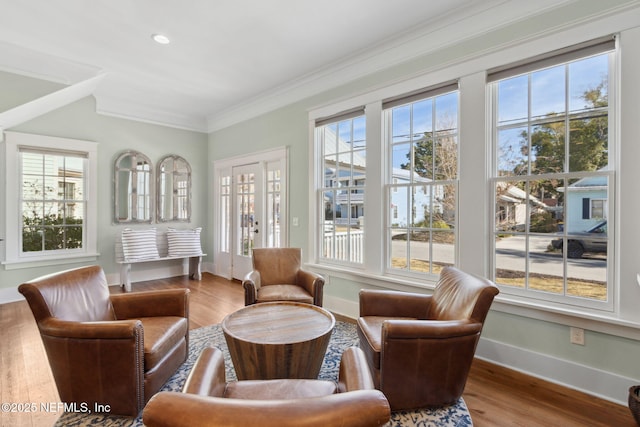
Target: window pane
588, 147
511, 206
546, 201
399, 252
510, 260
548, 148
587, 83
513, 100
359, 132
359, 167
330, 139
587, 277
446, 158
32, 187
513, 151
447, 112
443, 250
444, 206
546, 270
401, 124
422, 118
32, 239
548, 92
423, 158
401, 158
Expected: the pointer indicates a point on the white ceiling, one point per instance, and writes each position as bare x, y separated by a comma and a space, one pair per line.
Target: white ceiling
230, 59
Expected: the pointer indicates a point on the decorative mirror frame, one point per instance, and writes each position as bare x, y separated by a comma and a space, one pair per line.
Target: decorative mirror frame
178, 197
130, 197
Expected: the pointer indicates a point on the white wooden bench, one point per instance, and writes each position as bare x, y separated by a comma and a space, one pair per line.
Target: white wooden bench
161, 241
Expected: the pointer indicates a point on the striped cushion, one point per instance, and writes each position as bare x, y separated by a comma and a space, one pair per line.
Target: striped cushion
139, 244
184, 242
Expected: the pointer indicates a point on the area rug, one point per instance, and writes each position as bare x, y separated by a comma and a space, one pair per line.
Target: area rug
343, 337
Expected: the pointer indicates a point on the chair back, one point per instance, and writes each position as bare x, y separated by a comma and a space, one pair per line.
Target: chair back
277, 266
459, 295
80, 294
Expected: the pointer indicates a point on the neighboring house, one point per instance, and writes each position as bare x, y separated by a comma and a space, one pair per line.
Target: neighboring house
511, 207
585, 203
400, 211
349, 203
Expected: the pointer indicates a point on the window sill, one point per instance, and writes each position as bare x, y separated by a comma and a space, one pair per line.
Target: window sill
384, 281
606, 323
54, 260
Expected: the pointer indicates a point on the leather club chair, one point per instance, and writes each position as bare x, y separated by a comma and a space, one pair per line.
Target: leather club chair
208, 400
277, 276
420, 347
116, 350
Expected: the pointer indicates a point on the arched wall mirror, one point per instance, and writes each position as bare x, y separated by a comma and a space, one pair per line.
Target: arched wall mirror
133, 188
174, 189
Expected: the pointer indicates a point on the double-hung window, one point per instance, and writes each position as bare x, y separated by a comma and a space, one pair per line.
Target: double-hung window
554, 175
341, 196
422, 142
52, 181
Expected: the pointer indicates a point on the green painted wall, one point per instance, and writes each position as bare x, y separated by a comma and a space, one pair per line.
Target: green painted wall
289, 126
114, 135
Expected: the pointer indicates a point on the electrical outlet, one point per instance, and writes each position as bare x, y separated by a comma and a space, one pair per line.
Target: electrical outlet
577, 335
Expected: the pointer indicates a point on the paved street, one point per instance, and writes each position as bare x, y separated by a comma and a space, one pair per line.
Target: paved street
510, 256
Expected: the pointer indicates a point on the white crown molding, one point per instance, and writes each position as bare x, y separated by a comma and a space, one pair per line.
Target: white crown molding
130, 109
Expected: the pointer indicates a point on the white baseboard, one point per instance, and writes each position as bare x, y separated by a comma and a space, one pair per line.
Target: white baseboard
596, 382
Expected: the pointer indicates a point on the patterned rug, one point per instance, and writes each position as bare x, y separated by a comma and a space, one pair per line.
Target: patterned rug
344, 336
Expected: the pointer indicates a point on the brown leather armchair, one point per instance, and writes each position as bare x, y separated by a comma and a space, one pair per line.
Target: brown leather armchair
115, 350
277, 276
420, 347
208, 400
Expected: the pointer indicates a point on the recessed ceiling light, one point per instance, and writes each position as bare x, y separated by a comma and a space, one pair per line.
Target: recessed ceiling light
160, 38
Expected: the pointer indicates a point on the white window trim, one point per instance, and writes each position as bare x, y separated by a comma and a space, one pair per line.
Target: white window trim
13, 258
472, 254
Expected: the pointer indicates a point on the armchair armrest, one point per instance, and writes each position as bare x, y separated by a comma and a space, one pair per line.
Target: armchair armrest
251, 284
169, 302
437, 329
393, 304
116, 329
313, 283
358, 408
207, 377
354, 372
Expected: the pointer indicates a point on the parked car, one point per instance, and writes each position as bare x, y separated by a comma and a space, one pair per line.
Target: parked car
592, 240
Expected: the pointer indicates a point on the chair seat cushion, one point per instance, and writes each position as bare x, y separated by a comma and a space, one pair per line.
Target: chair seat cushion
284, 293
370, 334
279, 389
161, 334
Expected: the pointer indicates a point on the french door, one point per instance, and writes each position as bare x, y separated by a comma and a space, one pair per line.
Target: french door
250, 210
247, 212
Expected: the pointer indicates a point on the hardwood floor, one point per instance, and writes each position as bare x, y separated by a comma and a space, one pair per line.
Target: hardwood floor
495, 396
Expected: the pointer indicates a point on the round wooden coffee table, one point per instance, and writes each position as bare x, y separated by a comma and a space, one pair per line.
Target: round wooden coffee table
278, 340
